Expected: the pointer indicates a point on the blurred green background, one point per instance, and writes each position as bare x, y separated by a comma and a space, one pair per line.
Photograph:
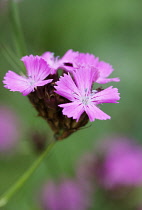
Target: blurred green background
111, 30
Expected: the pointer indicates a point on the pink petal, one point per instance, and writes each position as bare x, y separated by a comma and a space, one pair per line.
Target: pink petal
49, 57
67, 61
86, 59
84, 78
14, 82
66, 87
27, 91
108, 95
94, 112
36, 67
42, 83
104, 68
53, 62
73, 109
102, 80
70, 55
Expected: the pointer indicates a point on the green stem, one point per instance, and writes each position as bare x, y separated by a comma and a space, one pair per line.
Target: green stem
11, 58
17, 29
6, 196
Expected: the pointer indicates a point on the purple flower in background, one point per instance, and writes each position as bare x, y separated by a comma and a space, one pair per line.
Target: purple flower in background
37, 71
116, 163
67, 195
78, 90
74, 60
9, 129
122, 165
139, 207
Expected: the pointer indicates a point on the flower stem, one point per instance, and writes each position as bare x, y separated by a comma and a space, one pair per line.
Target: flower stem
6, 196
17, 29
11, 58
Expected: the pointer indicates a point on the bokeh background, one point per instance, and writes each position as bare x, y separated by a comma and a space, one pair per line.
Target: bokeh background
111, 30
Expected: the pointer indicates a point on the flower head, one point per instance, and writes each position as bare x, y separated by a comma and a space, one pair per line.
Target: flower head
67, 102
37, 70
78, 90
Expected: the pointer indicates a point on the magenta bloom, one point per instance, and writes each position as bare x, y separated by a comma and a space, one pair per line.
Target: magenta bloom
88, 60
105, 69
68, 61
122, 164
37, 71
53, 62
56, 63
9, 129
66, 195
72, 60
78, 90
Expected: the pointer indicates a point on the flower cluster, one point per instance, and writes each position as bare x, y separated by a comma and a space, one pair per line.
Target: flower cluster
68, 101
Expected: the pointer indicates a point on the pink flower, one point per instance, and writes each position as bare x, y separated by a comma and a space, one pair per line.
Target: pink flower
56, 63
74, 60
66, 195
37, 71
105, 69
52, 61
9, 129
68, 60
78, 90
71, 61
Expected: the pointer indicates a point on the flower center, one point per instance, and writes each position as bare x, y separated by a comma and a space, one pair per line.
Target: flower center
31, 82
85, 100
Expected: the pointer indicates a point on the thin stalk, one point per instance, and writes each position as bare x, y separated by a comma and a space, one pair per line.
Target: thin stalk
21, 181
12, 59
17, 29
